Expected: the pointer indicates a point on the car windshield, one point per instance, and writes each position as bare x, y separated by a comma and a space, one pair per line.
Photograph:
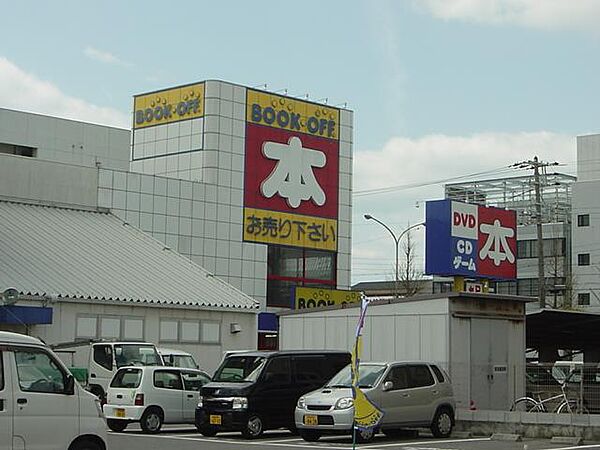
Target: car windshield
136, 355
368, 375
240, 368
185, 361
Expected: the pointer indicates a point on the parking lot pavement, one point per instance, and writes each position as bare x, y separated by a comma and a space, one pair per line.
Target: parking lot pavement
187, 438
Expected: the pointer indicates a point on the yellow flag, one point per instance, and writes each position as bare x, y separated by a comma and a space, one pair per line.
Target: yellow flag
366, 414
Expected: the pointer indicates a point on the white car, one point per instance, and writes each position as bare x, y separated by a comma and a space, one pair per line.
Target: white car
41, 404
153, 396
178, 358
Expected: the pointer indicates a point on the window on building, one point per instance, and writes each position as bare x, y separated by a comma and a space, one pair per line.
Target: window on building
19, 150
110, 328
583, 220
289, 267
211, 332
86, 327
505, 287
583, 259
527, 287
133, 329
190, 331
583, 298
552, 247
169, 330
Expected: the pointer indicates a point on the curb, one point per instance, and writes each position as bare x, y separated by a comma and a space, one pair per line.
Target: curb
462, 434
506, 437
567, 440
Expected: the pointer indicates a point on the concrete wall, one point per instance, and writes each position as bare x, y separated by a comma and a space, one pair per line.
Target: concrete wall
65, 314
66, 141
30, 179
588, 158
587, 240
212, 152
194, 219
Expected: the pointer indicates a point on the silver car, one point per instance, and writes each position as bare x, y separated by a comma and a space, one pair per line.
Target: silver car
411, 394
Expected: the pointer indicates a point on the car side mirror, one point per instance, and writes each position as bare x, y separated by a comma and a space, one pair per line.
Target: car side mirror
388, 386
70, 385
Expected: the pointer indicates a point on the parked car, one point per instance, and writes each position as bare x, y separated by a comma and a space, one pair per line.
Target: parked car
255, 391
410, 394
41, 405
153, 395
178, 358
105, 357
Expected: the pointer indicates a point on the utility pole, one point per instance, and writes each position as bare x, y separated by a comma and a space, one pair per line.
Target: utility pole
535, 164
540, 238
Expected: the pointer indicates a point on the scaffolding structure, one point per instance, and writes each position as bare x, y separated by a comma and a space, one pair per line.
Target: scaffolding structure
518, 194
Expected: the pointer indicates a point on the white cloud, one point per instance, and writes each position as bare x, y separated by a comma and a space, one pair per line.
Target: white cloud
423, 163
23, 91
104, 57
541, 14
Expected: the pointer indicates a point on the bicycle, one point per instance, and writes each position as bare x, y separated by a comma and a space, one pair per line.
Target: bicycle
566, 405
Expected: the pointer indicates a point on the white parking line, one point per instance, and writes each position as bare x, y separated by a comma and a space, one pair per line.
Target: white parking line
444, 441
578, 446
301, 444
245, 443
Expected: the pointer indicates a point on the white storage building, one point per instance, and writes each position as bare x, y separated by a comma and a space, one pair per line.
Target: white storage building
479, 338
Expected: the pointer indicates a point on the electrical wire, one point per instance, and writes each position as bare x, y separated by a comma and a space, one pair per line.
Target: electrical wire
388, 189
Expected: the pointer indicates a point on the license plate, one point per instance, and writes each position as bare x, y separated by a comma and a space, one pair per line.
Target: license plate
119, 412
214, 419
311, 420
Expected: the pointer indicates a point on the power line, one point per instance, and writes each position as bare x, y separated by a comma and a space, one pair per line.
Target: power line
385, 190
536, 165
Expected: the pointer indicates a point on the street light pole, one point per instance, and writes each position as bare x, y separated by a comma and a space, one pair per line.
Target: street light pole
397, 245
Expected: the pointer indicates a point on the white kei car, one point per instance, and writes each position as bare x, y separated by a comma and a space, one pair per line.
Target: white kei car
153, 395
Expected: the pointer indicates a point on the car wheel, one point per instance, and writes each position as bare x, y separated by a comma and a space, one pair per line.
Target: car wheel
86, 444
151, 420
207, 431
365, 435
116, 424
309, 435
442, 424
254, 427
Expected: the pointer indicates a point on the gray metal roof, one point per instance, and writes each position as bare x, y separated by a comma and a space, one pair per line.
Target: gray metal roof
46, 250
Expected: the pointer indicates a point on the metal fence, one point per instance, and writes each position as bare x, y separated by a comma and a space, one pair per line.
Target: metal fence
561, 387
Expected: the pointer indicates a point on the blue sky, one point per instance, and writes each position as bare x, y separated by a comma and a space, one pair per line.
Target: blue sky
439, 87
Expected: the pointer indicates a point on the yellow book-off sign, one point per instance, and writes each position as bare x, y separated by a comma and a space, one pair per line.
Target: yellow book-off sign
170, 105
282, 112
306, 297
273, 227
